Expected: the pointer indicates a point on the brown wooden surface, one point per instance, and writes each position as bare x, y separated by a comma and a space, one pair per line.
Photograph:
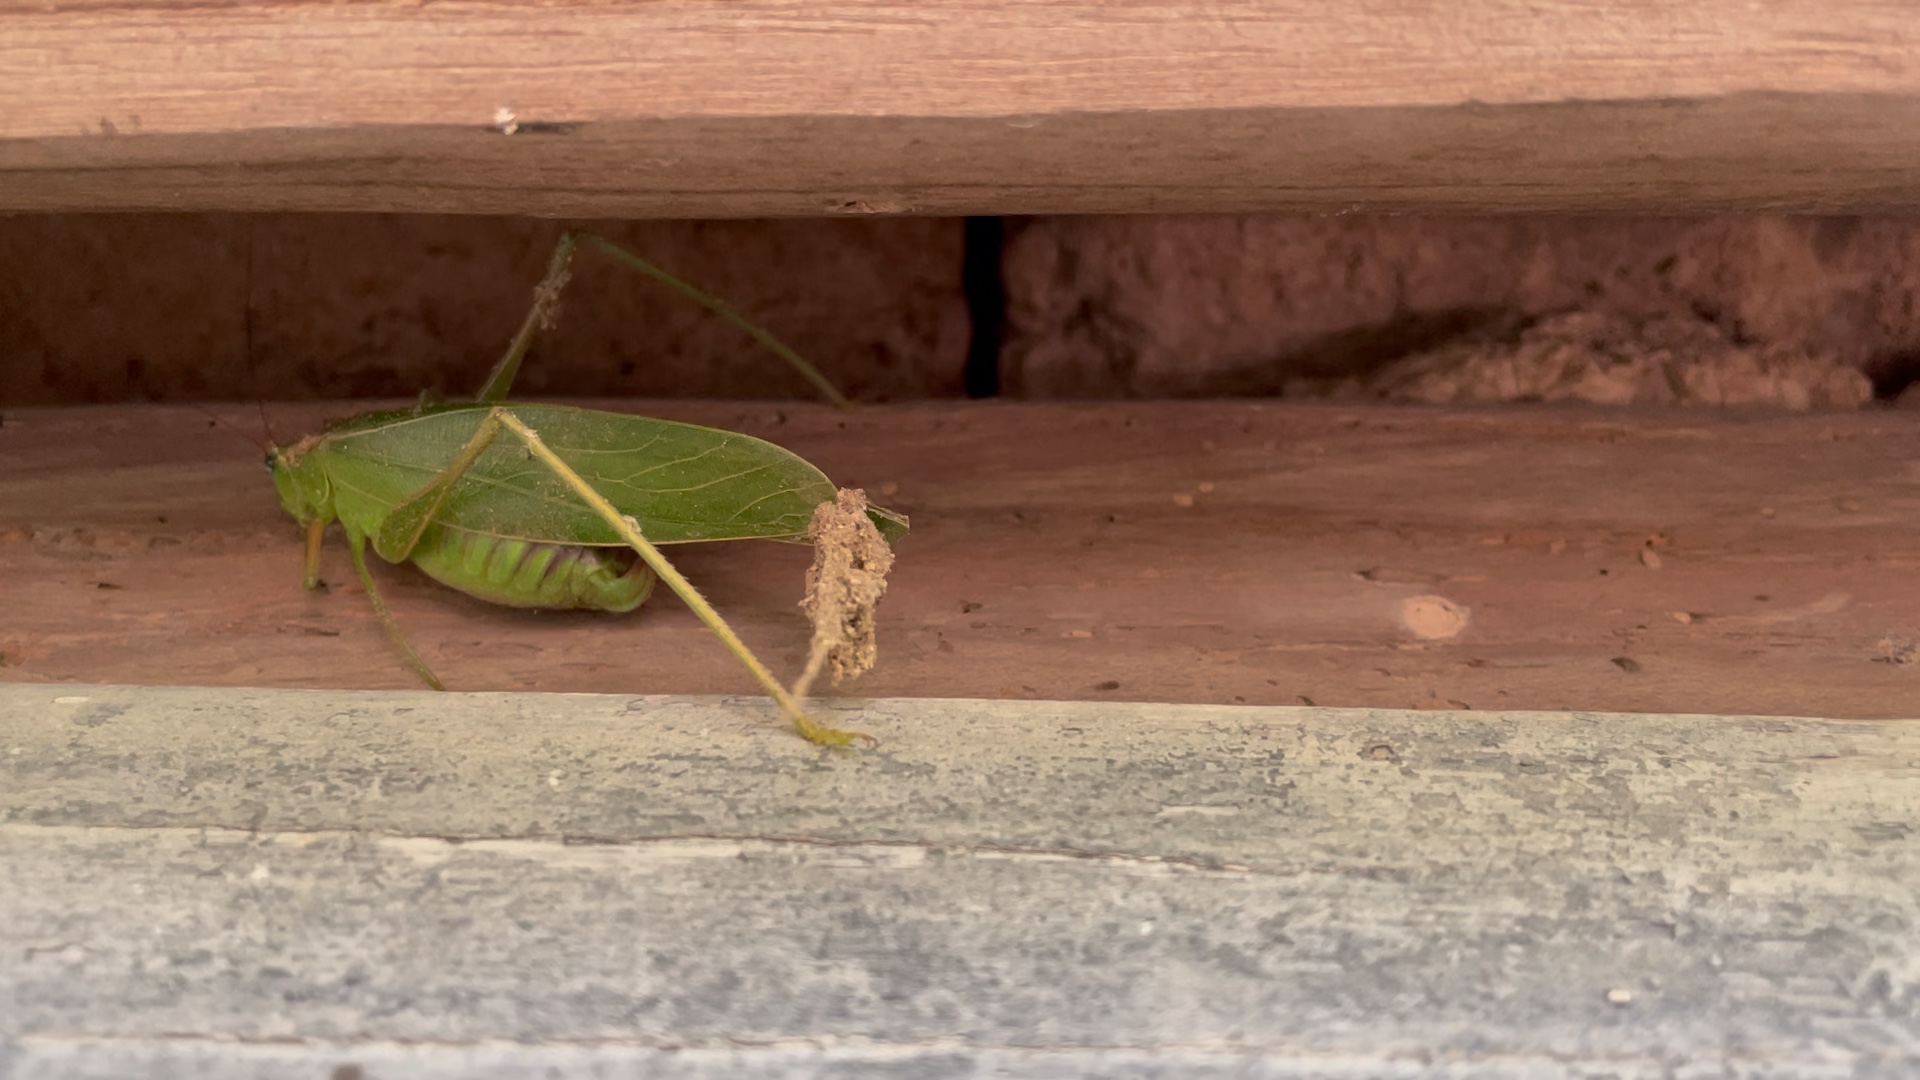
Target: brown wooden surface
769, 107
1077, 552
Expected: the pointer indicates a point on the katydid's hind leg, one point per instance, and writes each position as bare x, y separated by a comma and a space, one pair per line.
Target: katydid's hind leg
629, 530
546, 300
358, 545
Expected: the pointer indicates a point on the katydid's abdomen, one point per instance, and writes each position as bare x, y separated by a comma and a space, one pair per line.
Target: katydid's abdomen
522, 573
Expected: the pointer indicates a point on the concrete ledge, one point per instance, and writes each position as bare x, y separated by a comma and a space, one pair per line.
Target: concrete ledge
273, 883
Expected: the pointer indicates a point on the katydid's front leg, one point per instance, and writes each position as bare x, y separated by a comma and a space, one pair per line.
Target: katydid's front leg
316, 531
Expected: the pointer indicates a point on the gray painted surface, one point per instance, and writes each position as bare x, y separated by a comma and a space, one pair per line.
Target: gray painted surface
202, 883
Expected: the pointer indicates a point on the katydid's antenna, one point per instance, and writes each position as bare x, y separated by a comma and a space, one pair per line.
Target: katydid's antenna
214, 419
246, 331
266, 426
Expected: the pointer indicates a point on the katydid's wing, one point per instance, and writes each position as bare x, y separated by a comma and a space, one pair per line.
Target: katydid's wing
680, 482
406, 524
892, 525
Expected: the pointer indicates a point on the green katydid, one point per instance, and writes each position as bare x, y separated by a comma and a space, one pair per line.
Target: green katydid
554, 516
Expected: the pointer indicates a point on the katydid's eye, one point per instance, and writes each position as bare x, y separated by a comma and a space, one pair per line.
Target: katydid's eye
269, 461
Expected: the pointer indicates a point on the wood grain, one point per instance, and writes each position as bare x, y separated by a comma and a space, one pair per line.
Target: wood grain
1254, 553
773, 107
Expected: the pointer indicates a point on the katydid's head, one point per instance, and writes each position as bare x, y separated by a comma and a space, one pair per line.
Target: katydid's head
295, 484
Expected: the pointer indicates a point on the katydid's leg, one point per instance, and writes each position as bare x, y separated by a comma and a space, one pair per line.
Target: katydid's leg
808, 728
315, 532
546, 298
358, 546
406, 523
725, 311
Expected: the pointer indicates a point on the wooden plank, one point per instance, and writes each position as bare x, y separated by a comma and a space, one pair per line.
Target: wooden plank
769, 107
272, 883
1258, 553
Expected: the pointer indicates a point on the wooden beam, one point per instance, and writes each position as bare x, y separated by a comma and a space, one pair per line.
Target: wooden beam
1258, 553
768, 107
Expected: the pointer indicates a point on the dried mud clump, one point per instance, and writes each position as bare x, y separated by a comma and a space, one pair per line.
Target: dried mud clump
848, 577
1608, 359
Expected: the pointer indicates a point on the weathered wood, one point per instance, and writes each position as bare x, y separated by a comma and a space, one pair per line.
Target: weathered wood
768, 107
272, 883
1259, 553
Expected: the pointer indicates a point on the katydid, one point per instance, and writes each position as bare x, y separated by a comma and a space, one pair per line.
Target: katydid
567, 511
